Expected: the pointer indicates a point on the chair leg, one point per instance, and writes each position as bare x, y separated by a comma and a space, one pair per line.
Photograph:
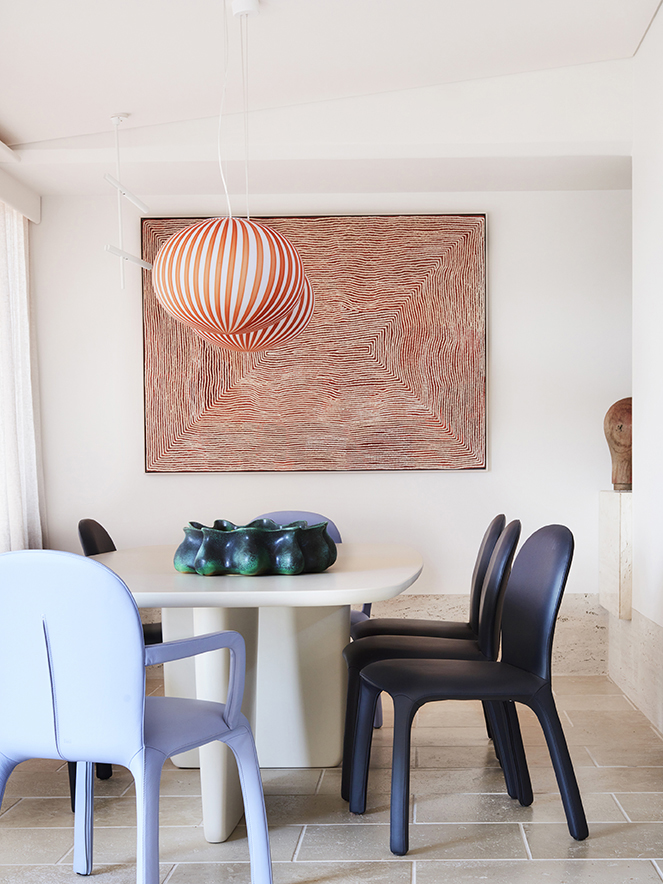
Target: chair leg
525, 794
543, 705
351, 704
486, 716
379, 719
243, 747
71, 769
104, 771
146, 769
83, 828
7, 765
499, 728
360, 751
404, 711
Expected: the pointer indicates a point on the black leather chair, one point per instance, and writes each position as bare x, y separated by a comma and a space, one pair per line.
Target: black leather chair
435, 628
522, 675
95, 540
366, 651
443, 628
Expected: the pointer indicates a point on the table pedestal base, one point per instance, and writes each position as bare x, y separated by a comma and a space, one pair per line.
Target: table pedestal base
301, 688
221, 794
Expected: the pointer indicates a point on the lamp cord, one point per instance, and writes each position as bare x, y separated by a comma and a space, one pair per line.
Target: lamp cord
226, 58
244, 43
116, 121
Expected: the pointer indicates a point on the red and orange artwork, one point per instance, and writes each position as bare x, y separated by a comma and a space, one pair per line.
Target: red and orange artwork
389, 374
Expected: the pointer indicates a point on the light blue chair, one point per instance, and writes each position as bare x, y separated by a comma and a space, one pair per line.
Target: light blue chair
285, 517
78, 694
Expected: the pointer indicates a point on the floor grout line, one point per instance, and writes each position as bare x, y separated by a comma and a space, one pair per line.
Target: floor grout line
525, 842
299, 844
619, 805
170, 873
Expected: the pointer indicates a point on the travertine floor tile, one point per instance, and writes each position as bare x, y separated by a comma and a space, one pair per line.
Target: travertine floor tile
323, 809
545, 871
381, 756
538, 755
584, 684
363, 843
297, 873
187, 844
458, 757
284, 781
620, 779
627, 755
501, 808
64, 874
605, 841
40, 812
593, 703
35, 783
176, 782
642, 807
625, 722
436, 736
40, 845
451, 713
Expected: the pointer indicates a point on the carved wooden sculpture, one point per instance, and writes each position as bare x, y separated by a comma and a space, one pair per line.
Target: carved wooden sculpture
617, 428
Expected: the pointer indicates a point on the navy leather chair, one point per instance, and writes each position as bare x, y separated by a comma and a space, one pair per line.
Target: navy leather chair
366, 651
522, 675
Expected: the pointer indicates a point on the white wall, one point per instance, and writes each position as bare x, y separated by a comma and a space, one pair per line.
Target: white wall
648, 325
558, 356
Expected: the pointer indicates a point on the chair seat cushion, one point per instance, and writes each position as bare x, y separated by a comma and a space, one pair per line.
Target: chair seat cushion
173, 724
426, 680
403, 647
403, 626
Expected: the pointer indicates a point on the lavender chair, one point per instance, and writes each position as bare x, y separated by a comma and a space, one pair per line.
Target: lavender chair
94, 540
71, 693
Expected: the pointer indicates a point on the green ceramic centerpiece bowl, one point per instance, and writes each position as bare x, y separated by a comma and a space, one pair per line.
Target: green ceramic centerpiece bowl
261, 547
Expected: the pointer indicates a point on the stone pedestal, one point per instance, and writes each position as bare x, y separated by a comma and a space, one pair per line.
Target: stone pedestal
615, 552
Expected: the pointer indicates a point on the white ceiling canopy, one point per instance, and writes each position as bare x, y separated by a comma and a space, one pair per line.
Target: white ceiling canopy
73, 63
66, 67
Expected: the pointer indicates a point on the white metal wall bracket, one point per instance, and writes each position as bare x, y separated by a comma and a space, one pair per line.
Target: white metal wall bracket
123, 191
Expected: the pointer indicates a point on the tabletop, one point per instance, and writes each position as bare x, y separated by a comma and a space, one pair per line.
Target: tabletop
363, 572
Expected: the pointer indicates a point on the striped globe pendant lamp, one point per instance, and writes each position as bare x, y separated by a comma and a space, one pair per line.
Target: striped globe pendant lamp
228, 277
272, 336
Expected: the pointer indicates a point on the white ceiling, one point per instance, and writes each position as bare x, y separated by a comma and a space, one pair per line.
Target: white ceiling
66, 67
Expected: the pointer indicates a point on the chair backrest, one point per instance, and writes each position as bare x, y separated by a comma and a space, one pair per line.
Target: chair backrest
284, 517
68, 690
494, 587
533, 597
486, 549
94, 538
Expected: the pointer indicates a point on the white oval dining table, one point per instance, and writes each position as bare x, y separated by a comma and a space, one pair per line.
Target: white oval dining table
295, 629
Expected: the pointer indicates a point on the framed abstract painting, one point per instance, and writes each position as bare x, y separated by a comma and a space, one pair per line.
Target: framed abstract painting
390, 373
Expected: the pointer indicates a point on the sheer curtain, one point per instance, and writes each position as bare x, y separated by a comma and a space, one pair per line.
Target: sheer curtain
20, 524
